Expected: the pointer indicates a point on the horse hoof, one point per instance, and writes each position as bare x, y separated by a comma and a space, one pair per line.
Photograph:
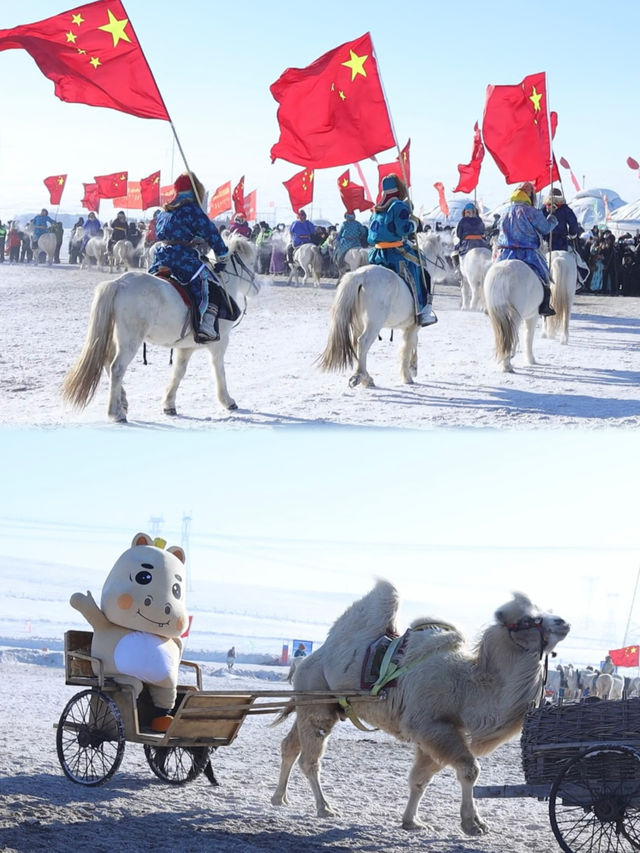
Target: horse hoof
354, 381
232, 407
170, 411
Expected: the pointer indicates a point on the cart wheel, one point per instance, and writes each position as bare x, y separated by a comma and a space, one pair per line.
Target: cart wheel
594, 803
177, 764
90, 738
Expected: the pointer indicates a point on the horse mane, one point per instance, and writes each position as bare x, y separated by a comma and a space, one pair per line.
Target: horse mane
239, 245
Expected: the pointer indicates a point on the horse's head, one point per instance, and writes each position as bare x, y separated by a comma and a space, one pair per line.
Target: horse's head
241, 248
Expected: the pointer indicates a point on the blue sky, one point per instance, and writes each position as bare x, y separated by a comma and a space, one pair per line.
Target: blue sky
214, 63
449, 516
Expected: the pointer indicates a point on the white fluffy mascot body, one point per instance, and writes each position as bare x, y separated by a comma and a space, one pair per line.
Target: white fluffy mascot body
137, 628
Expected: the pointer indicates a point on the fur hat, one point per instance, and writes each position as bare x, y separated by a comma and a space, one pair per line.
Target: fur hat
557, 198
183, 183
392, 187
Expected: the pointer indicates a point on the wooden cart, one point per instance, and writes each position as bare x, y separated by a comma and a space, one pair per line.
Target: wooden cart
98, 721
584, 759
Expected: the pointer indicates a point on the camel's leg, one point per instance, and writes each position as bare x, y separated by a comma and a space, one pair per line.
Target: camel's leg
529, 330
123, 358
409, 354
365, 340
467, 774
314, 727
289, 751
180, 362
217, 350
423, 770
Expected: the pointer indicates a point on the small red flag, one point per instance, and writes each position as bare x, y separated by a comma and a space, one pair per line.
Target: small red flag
150, 190
112, 186
300, 189
401, 167
220, 201
91, 198
444, 207
470, 173
515, 130
55, 184
627, 656
93, 57
333, 112
353, 195
565, 165
238, 196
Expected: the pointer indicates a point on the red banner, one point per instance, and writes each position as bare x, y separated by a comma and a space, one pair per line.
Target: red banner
91, 198
352, 195
55, 184
444, 207
112, 186
250, 206
132, 200
220, 201
401, 167
93, 57
470, 172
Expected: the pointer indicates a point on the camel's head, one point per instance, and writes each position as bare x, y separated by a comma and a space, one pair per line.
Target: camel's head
531, 628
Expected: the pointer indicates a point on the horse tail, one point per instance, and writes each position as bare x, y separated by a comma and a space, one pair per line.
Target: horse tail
81, 381
505, 319
340, 352
289, 708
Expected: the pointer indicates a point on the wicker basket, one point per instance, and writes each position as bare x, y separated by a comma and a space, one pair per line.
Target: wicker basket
553, 734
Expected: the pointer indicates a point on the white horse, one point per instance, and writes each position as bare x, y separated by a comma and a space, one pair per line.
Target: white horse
307, 258
46, 243
97, 250
473, 269
354, 258
564, 278
75, 244
512, 293
128, 256
367, 300
137, 307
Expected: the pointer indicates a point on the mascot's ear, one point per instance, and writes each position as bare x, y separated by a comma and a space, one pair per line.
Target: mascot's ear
178, 552
141, 539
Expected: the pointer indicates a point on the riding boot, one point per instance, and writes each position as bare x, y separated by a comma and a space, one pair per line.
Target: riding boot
427, 317
208, 330
545, 309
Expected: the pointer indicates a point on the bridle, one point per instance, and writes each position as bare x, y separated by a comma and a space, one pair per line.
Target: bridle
527, 623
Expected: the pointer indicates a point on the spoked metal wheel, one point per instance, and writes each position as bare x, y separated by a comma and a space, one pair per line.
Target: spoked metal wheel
90, 738
177, 764
594, 803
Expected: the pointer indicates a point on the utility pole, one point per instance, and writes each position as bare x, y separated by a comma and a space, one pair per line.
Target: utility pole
186, 524
154, 523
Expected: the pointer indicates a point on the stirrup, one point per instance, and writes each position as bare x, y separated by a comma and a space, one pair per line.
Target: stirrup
426, 317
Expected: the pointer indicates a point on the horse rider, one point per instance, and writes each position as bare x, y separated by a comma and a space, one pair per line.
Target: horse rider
41, 223
391, 226
567, 229
352, 235
178, 227
240, 226
91, 228
521, 227
119, 229
302, 231
470, 232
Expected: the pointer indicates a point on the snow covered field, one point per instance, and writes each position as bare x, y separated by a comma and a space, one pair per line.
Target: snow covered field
593, 382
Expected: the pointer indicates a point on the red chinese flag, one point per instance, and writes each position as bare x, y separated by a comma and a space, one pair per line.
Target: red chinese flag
112, 186
470, 173
238, 196
515, 129
91, 198
333, 112
93, 57
55, 184
444, 207
220, 201
150, 191
300, 189
353, 195
132, 200
628, 656
250, 206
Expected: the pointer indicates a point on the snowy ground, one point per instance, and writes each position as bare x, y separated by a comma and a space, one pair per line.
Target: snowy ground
364, 774
591, 383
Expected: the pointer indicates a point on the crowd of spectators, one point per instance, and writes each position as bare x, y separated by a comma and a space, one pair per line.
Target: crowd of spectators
614, 264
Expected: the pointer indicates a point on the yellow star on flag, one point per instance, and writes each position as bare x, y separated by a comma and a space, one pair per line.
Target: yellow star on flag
94, 61
77, 20
310, 176
60, 180
345, 183
356, 64
81, 51
116, 28
71, 37
535, 98
342, 95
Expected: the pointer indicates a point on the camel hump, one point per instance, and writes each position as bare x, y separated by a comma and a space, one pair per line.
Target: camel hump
373, 615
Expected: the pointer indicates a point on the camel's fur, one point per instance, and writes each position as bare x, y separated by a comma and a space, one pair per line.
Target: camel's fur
455, 703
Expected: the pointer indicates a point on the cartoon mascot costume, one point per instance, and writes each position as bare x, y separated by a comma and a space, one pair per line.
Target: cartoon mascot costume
137, 628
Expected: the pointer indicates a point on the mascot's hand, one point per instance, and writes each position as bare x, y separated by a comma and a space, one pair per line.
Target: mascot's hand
89, 609
79, 601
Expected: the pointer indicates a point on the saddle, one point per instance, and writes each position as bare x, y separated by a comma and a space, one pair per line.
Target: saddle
375, 655
224, 306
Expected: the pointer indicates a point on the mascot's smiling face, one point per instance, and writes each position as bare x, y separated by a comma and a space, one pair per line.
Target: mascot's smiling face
145, 590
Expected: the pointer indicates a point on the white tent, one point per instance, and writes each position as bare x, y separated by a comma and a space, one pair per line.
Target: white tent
625, 219
590, 209
456, 205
